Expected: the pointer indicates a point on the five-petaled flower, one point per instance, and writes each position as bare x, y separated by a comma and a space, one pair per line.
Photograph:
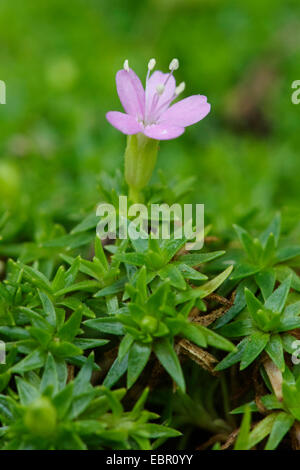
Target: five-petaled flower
148, 111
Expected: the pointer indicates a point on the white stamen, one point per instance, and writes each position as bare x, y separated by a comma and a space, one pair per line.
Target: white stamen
126, 65
174, 64
180, 88
151, 64
160, 89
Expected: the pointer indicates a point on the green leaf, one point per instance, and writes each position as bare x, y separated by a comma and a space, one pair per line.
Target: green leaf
34, 360
233, 357
269, 401
194, 334
136, 259
274, 349
282, 423
70, 242
70, 329
168, 358
277, 300
137, 360
290, 318
88, 286
36, 277
80, 404
243, 437
64, 349
114, 402
261, 430
92, 269
9, 411
48, 308
41, 335
237, 328
214, 283
141, 284
62, 372
125, 345
173, 275
283, 272
254, 305
74, 303
157, 300
247, 242
266, 281
273, 228
89, 343
199, 258
106, 325
191, 273
287, 343
114, 288
287, 253
14, 332
291, 397
269, 251
171, 247
256, 344
89, 222
99, 253
27, 392
216, 340
155, 431
36, 319
243, 270
4, 380
59, 279
139, 405
62, 401
84, 376
239, 303
72, 272
116, 371
49, 375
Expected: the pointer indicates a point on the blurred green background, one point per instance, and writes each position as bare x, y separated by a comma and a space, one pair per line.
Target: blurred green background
59, 60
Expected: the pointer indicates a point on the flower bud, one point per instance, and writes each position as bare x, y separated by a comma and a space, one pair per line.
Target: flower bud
149, 324
40, 418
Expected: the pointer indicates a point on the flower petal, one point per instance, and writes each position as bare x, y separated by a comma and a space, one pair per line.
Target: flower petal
163, 131
123, 122
131, 93
159, 78
186, 112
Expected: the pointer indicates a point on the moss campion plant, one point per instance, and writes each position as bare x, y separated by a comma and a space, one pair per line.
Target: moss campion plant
129, 343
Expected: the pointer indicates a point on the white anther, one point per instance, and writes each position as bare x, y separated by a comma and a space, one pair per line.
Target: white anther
151, 64
174, 64
180, 88
126, 65
160, 89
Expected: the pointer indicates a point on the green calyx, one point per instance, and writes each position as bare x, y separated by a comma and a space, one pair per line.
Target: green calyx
140, 160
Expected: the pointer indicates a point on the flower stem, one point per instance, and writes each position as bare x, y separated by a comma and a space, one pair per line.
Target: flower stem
134, 194
140, 160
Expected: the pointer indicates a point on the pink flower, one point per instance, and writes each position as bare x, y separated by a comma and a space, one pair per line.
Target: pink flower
149, 111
